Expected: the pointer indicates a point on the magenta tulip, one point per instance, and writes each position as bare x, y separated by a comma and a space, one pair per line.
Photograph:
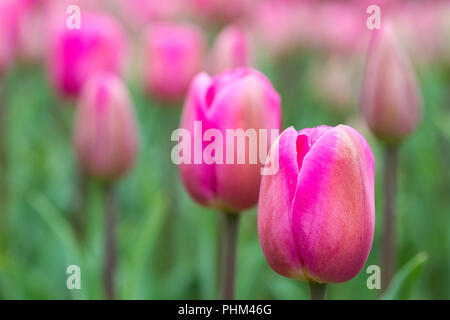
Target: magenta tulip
231, 50
391, 100
316, 216
238, 99
105, 133
75, 54
174, 54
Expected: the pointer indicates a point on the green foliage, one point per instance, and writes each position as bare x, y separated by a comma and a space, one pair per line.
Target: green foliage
167, 244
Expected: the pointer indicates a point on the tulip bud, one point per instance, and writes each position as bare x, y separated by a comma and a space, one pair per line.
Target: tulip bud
391, 100
316, 216
105, 132
231, 50
75, 54
174, 54
239, 99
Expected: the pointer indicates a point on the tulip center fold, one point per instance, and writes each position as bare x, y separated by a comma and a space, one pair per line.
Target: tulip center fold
302, 149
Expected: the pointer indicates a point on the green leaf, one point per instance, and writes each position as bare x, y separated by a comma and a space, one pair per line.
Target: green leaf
406, 278
62, 229
147, 235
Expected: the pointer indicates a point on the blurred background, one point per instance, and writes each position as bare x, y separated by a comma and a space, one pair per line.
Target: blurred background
314, 54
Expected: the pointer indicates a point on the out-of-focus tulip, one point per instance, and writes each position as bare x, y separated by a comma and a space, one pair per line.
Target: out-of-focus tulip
342, 27
138, 13
391, 100
220, 11
173, 55
75, 54
9, 17
105, 132
316, 216
237, 99
231, 50
285, 26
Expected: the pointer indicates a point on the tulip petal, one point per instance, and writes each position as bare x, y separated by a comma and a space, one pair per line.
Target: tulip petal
275, 202
333, 208
199, 179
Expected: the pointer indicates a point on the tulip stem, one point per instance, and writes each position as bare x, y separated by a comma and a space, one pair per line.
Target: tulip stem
110, 242
3, 169
229, 235
388, 243
79, 204
318, 291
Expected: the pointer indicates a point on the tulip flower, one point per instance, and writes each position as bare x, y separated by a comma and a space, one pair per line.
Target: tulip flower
105, 138
316, 216
391, 100
105, 133
391, 104
237, 99
173, 54
231, 50
75, 54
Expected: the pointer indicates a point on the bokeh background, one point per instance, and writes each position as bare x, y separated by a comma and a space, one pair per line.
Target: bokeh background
314, 53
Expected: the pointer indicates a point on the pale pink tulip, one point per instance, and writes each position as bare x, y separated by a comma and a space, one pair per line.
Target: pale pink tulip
173, 55
105, 131
391, 99
231, 50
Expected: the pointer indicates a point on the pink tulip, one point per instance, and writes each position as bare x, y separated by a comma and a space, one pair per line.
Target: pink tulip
238, 99
105, 132
285, 26
316, 216
391, 100
75, 54
173, 54
231, 50
138, 13
9, 24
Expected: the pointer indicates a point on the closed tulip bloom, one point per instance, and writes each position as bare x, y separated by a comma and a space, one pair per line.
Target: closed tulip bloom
391, 100
173, 55
238, 99
105, 132
75, 54
316, 216
231, 50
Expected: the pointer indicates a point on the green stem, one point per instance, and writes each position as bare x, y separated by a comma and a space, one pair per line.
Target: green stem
229, 235
110, 242
3, 170
388, 240
318, 291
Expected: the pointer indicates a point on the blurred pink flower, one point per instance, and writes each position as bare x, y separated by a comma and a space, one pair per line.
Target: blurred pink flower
316, 216
391, 98
342, 27
139, 13
9, 29
238, 99
231, 50
105, 131
173, 55
285, 26
74, 54
220, 11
